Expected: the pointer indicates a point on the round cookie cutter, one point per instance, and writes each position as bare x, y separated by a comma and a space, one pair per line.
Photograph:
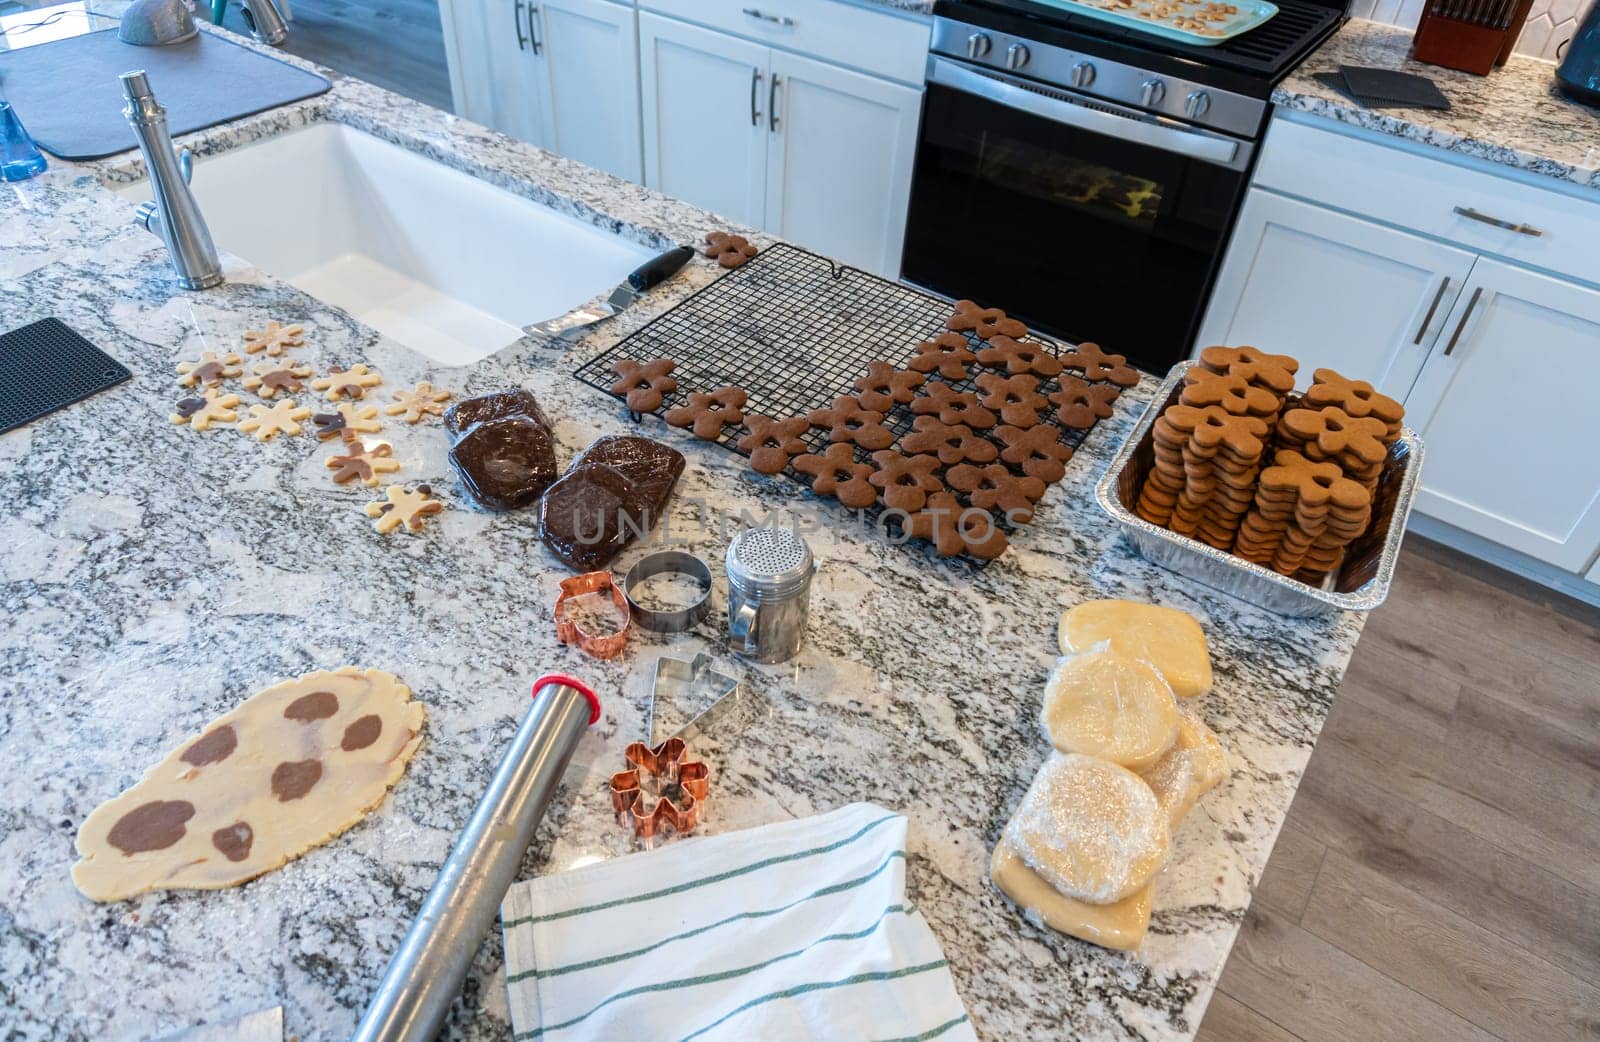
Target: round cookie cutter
669, 562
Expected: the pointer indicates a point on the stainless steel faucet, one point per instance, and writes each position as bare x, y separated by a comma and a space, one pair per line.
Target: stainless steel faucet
173, 214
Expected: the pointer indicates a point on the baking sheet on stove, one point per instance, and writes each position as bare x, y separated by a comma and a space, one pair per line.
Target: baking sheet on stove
1202, 22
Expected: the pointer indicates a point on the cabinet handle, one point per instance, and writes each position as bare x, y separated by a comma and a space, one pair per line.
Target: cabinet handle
755, 93
516, 11
533, 38
1451, 346
772, 104
1511, 226
775, 19
1428, 319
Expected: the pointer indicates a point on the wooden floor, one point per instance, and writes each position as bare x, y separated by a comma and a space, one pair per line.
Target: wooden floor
1439, 874
396, 44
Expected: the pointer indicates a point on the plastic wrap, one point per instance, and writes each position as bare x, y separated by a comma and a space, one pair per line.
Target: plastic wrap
1103, 704
590, 514
506, 463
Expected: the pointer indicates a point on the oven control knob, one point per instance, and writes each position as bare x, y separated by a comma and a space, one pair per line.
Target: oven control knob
1196, 104
1152, 92
1016, 56
978, 45
1082, 74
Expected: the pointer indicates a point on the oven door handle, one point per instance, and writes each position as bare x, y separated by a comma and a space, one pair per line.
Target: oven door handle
1167, 137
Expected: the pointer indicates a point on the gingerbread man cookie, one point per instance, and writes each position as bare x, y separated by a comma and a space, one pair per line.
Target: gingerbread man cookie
209, 371
358, 462
274, 340
200, 413
884, 387
836, 473
847, 421
954, 529
707, 414
906, 481
951, 442
946, 354
425, 400
1015, 398
986, 322
771, 444
1036, 450
267, 422
404, 507
643, 385
994, 487
952, 406
350, 384
1080, 405
1098, 366
728, 250
1016, 357
269, 378
346, 421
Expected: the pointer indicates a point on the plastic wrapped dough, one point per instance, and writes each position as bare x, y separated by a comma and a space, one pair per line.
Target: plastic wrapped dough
1169, 639
1105, 704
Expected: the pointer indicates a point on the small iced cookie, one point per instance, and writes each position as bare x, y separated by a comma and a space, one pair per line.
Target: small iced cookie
1103, 704
1192, 767
1169, 639
1090, 829
1121, 925
289, 768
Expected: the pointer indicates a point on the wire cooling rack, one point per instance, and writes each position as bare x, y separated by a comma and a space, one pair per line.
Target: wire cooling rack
795, 331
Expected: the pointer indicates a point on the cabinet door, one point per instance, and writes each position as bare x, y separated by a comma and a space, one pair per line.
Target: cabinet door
1333, 291
705, 126
1506, 406
839, 161
588, 51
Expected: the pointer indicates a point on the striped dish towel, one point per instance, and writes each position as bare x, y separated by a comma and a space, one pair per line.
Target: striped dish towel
799, 930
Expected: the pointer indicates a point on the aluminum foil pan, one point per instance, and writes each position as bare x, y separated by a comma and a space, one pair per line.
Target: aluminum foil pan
1360, 584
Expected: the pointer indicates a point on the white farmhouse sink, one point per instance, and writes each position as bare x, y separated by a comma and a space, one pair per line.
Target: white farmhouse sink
450, 266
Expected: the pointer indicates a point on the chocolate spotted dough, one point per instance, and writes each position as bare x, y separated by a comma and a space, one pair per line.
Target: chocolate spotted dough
212, 815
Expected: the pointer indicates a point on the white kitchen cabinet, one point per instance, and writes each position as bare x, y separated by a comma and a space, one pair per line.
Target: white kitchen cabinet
1334, 291
839, 161
1505, 405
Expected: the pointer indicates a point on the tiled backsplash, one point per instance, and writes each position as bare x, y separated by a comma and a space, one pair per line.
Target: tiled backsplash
1550, 22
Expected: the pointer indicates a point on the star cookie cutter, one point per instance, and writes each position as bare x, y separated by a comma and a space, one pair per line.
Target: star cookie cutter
568, 631
677, 785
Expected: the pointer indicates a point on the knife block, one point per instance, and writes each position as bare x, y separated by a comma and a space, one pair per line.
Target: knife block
1469, 35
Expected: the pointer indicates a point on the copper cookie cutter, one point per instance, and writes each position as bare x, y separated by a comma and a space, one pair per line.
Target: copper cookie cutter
678, 786
568, 631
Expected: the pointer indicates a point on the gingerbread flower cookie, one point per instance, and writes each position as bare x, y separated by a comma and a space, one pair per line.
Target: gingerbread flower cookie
209, 371
1079, 404
986, 322
729, 250
884, 387
425, 400
954, 529
946, 354
360, 463
1037, 451
836, 473
847, 421
346, 421
200, 413
906, 481
1099, 366
952, 406
268, 421
643, 385
349, 384
404, 507
996, 488
951, 442
268, 379
1015, 398
1017, 357
274, 340
771, 444
707, 414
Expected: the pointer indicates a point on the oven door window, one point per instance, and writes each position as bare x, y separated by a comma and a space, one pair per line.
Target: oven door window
1079, 233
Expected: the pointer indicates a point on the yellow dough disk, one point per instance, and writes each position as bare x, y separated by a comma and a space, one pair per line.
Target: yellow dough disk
1091, 829
290, 767
1121, 925
1194, 766
1104, 704
1169, 639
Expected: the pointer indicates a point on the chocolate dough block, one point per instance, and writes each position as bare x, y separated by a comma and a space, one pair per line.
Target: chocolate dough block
588, 516
652, 467
505, 463
516, 401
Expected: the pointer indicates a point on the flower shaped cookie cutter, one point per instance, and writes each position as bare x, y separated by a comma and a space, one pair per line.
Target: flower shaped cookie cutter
663, 774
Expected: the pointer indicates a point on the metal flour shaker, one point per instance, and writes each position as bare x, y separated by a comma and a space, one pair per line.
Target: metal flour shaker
769, 593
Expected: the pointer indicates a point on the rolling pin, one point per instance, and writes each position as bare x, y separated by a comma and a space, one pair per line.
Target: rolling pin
427, 971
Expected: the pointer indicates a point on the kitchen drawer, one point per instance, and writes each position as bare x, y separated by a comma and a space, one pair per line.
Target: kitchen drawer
1421, 193
890, 45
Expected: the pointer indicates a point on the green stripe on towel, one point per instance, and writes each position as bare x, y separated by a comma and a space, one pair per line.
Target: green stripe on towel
802, 989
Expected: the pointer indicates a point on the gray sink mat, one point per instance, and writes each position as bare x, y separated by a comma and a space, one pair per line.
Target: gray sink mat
68, 95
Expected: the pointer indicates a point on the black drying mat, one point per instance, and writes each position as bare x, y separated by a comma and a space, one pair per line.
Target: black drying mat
795, 331
46, 366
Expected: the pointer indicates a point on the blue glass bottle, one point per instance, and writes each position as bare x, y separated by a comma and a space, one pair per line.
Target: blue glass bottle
19, 157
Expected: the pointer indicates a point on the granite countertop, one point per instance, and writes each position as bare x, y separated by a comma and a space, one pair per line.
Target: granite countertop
155, 576
1515, 116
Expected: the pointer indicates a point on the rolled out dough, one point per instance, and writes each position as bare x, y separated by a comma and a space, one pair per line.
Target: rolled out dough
1121, 925
1102, 703
1194, 766
1171, 640
288, 768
